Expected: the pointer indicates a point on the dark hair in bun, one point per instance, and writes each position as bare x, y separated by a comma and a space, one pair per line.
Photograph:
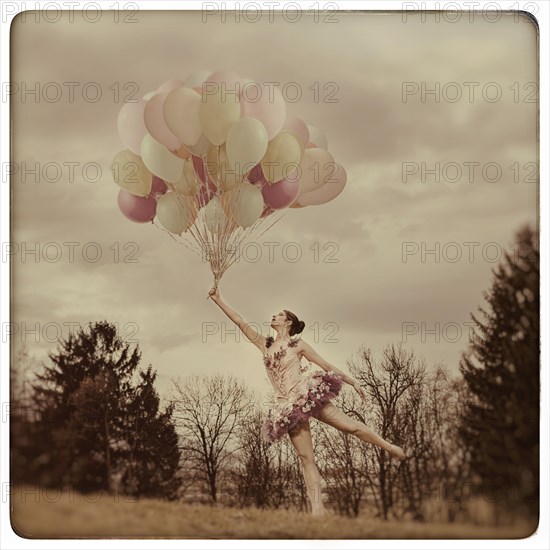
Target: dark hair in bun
296, 326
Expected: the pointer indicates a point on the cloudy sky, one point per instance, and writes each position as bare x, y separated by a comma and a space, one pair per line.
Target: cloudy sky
482, 146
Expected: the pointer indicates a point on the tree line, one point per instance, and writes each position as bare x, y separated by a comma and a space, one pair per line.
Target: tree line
93, 420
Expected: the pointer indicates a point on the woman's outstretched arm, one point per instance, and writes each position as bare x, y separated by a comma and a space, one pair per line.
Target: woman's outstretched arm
311, 355
250, 332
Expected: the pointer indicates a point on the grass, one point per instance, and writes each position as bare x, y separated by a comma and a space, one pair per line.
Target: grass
50, 514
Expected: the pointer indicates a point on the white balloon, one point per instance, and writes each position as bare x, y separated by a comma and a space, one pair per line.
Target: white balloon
247, 204
214, 216
246, 144
317, 137
131, 125
181, 113
173, 212
160, 161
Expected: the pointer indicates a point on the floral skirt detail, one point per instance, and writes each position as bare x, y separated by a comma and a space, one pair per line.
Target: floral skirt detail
321, 388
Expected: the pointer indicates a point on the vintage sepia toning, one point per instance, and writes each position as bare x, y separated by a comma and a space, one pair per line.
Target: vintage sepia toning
274, 274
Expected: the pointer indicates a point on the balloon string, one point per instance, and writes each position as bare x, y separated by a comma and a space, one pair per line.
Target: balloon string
221, 246
217, 278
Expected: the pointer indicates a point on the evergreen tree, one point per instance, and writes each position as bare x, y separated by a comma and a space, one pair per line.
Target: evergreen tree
501, 423
153, 454
97, 428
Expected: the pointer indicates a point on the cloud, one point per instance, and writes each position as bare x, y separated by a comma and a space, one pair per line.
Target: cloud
351, 284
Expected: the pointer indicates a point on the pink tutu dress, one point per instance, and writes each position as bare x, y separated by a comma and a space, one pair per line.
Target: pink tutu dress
298, 395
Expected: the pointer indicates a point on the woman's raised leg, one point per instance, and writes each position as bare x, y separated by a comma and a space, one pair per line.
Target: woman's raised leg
300, 437
332, 416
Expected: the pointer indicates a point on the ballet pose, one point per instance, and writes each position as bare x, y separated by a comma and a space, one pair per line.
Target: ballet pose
300, 396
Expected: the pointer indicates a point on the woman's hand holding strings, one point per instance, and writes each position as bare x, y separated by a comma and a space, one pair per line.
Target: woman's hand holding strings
214, 294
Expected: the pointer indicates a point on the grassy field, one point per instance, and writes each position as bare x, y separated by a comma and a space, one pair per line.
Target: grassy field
41, 514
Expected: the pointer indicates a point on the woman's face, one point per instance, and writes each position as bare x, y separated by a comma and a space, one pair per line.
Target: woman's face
278, 320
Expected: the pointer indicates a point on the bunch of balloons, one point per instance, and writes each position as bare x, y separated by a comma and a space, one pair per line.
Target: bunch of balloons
212, 157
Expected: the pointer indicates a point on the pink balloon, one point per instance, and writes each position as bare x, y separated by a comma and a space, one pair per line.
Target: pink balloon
156, 125
281, 194
200, 168
266, 104
137, 209
328, 191
298, 126
256, 175
131, 125
170, 85
158, 187
207, 189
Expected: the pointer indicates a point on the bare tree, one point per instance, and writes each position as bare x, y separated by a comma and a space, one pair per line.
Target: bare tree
265, 475
420, 410
22, 412
219, 423
344, 464
22, 370
438, 459
209, 414
389, 383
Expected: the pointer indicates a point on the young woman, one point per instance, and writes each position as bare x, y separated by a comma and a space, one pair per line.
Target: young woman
301, 396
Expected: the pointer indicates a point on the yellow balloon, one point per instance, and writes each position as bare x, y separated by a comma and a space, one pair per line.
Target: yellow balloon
174, 213
130, 173
218, 111
201, 147
219, 169
246, 204
282, 157
160, 161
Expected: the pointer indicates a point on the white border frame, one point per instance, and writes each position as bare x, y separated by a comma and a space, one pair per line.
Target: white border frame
540, 539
